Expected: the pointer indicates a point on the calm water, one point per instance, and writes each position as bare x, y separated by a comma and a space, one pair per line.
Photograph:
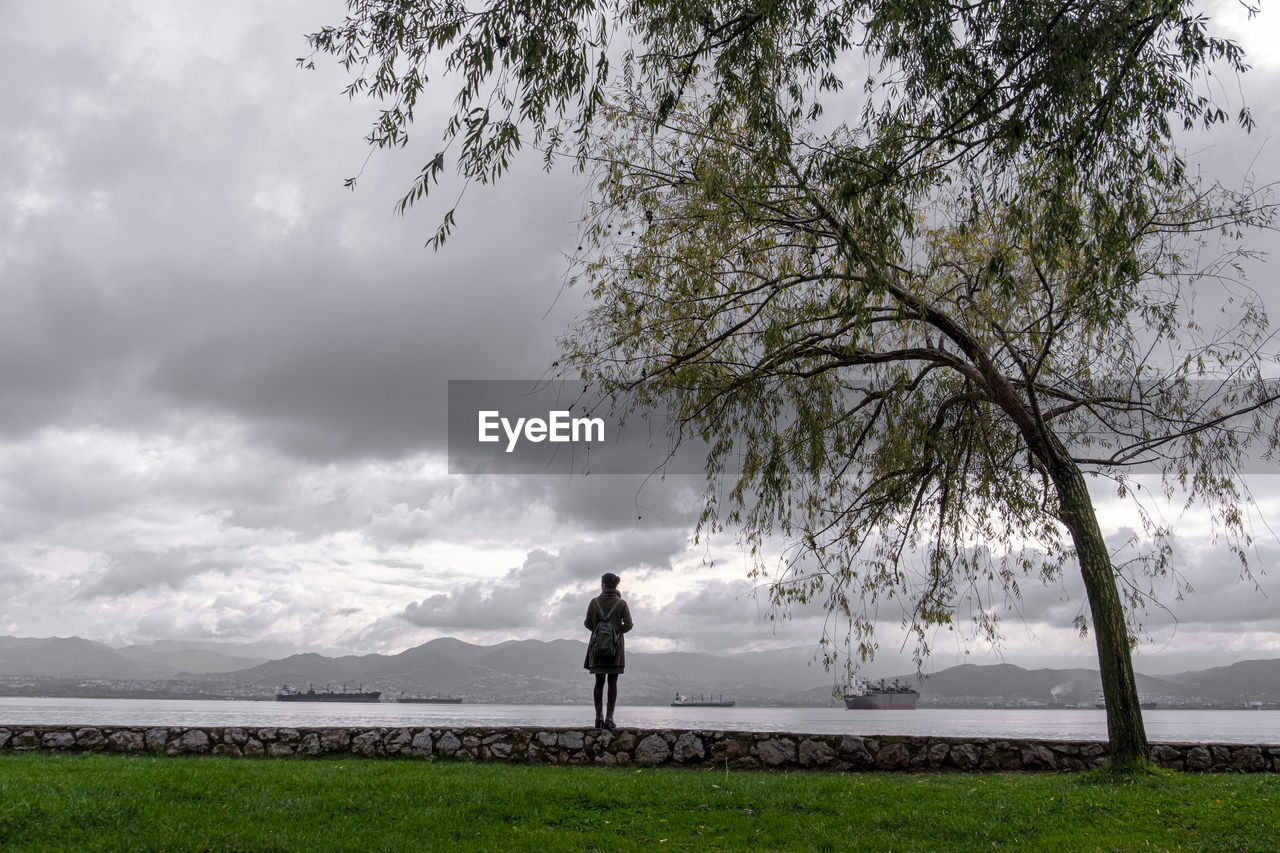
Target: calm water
1203, 726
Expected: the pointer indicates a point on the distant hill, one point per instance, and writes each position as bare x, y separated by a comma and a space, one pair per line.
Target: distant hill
1243, 681
551, 672
181, 658
70, 657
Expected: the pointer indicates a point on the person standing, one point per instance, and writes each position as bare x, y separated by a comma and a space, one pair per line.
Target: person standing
609, 606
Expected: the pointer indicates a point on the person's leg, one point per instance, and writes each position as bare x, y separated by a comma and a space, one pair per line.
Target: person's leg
598, 696
613, 698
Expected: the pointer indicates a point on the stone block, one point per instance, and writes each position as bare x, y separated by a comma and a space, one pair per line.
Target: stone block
816, 753
156, 738
335, 740
964, 756
1167, 756
90, 738
729, 748
688, 747
1037, 756
421, 743
570, 740
368, 742
23, 741
853, 749
58, 740
776, 751
652, 750
892, 756
126, 740
397, 741
310, 744
276, 749
449, 744
1199, 758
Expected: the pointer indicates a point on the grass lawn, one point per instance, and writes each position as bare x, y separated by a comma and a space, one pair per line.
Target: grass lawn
131, 802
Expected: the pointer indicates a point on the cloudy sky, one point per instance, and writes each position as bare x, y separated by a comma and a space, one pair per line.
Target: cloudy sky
223, 375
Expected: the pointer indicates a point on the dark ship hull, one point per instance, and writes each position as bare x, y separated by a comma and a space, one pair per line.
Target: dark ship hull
702, 702
863, 696
288, 694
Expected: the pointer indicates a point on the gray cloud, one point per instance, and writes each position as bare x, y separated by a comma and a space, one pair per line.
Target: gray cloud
223, 376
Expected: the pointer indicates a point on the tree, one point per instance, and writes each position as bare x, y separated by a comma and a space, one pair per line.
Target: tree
906, 331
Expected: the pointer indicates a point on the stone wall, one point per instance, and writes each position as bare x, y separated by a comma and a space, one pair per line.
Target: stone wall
648, 747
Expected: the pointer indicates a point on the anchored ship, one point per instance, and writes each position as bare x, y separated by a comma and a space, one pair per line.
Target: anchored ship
863, 695
683, 701
290, 694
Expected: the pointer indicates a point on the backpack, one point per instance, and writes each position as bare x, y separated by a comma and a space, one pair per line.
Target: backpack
606, 640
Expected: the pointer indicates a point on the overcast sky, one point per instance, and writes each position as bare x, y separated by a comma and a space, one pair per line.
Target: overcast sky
223, 376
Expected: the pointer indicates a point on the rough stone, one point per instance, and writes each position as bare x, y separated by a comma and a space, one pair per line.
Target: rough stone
90, 738
367, 743
776, 750
964, 755
26, 740
310, 744
688, 747
448, 744
126, 741
1199, 758
623, 746
335, 740
1250, 758
1167, 756
854, 750
652, 750
58, 740
816, 753
397, 741
892, 756
421, 743
1037, 756
570, 740
730, 749
190, 741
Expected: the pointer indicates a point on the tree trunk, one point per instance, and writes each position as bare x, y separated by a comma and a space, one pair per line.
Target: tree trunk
1125, 730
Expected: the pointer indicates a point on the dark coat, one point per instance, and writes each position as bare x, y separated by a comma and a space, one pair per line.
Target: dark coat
621, 618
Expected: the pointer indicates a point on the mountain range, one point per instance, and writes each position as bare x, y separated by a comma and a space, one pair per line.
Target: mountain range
551, 672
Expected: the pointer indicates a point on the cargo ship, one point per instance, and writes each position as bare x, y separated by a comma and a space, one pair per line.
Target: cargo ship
289, 694
683, 701
863, 695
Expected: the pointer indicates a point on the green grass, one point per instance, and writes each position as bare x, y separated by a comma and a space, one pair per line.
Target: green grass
122, 802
